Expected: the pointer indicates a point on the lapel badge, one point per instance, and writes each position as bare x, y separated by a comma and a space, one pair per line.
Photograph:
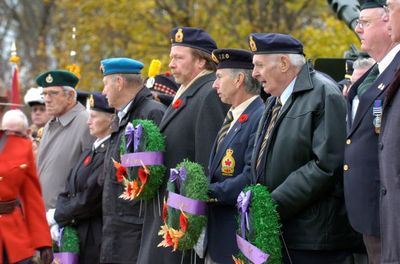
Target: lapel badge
23, 166
252, 44
49, 78
179, 36
228, 163
381, 86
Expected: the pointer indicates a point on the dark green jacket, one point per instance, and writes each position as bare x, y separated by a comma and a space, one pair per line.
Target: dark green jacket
303, 164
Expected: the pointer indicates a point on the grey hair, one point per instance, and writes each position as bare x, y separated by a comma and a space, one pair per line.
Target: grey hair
252, 86
69, 88
15, 115
363, 63
297, 60
133, 80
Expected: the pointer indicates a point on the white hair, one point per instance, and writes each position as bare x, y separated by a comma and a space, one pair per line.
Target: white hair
69, 88
297, 60
13, 118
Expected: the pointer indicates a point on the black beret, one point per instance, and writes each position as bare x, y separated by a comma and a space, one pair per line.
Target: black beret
233, 59
194, 38
165, 83
57, 78
274, 43
373, 4
98, 102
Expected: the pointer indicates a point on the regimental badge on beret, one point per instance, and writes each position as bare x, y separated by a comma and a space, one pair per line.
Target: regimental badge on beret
179, 36
91, 101
102, 68
49, 78
214, 58
252, 44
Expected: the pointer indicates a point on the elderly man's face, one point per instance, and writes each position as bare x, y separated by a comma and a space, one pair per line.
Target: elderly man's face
57, 100
225, 86
394, 19
111, 91
267, 72
372, 29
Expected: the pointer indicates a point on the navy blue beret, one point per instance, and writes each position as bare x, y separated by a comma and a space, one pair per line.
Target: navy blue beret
98, 102
373, 4
233, 59
120, 65
274, 43
165, 83
194, 38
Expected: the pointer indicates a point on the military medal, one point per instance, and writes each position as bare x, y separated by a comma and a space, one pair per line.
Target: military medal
228, 163
377, 112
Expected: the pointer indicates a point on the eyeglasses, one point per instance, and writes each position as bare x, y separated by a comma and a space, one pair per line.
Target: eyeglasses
362, 23
50, 93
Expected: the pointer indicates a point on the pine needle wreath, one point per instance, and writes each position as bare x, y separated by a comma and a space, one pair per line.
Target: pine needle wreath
69, 241
141, 182
181, 230
264, 230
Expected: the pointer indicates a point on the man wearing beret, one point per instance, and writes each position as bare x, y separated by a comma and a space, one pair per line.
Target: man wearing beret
190, 125
365, 107
122, 219
65, 135
230, 156
299, 149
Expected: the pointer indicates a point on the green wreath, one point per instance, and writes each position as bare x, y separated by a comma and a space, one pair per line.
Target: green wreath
66, 250
259, 222
184, 218
141, 170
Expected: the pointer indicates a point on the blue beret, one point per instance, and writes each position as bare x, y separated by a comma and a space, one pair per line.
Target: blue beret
373, 4
98, 102
120, 65
57, 78
274, 43
233, 59
194, 38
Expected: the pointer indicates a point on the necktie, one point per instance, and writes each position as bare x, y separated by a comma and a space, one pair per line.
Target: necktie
271, 125
225, 127
363, 87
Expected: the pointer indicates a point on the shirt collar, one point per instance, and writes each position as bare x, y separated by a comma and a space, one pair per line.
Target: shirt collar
384, 63
287, 92
99, 141
238, 110
124, 111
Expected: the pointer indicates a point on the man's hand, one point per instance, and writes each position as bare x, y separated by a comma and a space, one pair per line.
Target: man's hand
46, 255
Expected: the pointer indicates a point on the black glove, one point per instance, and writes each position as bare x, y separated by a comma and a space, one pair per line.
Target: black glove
46, 255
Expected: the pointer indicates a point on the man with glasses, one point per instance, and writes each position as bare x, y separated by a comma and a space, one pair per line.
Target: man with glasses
39, 116
64, 137
365, 104
389, 150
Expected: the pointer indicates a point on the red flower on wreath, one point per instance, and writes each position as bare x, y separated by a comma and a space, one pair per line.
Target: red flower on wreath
165, 211
243, 118
177, 103
121, 170
183, 222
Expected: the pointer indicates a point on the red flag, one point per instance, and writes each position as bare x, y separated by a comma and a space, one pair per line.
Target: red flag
15, 89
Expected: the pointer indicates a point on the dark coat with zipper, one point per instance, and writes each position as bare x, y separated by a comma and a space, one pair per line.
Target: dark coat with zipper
302, 164
122, 219
80, 204
190, 130
222, 222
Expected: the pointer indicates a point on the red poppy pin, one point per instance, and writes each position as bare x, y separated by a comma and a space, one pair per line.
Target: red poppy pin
177, 104
243, 118
87, 160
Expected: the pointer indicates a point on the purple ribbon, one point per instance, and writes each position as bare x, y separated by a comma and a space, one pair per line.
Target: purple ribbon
133, 134
138, 159
252, 253
65, 258
188, 205
243, 202
178, 176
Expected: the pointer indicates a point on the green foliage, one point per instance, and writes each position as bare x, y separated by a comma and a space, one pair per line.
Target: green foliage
70, 240
264, 221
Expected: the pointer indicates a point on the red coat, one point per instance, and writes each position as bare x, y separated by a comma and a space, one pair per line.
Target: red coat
25, 229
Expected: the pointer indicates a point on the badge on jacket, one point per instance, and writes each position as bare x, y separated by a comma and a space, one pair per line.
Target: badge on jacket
377, 112
228, 163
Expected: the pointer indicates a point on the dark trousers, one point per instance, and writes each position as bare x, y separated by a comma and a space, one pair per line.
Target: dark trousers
314, 257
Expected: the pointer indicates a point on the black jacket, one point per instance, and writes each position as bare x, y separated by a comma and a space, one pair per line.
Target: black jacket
122, 220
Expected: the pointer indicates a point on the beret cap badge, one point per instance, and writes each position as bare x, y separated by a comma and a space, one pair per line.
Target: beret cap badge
101, 68
91, 101
179, 36
49, 78
252, 44
214, 58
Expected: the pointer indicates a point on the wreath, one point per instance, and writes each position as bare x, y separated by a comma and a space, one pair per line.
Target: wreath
67, 248
141, 170
259, 227
184, 212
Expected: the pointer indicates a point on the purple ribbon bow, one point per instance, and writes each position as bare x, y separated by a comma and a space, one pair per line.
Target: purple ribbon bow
243, 202
178, 176
133, 134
